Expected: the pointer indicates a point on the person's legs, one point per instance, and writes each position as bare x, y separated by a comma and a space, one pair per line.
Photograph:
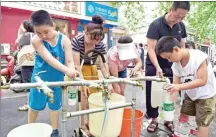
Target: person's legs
37, 102
32, 115
87, 70
203, 132
25, 107
54, 116
83, 106
54, 107
26, 73
122, 74
151, 112
205, 109
187, 109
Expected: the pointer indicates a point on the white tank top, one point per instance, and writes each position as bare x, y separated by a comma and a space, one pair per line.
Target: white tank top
188, 73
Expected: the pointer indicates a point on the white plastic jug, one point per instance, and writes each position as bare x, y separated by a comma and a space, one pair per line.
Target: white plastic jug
140, 95
31, 130
115, 116
157, 95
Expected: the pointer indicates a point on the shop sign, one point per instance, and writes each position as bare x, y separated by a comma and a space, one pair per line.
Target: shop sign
108, 13
65, 6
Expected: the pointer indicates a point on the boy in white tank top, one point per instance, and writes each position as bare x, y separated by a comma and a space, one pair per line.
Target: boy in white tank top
192, 73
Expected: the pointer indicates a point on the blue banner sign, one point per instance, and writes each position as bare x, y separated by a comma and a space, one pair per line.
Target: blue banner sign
108, 13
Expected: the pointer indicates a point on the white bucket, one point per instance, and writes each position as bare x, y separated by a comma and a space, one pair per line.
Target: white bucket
115, 117
31, 130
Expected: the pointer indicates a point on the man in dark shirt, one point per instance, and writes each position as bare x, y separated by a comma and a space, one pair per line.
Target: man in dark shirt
168, 25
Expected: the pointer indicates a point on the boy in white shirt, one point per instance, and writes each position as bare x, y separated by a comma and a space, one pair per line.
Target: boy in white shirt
192, 73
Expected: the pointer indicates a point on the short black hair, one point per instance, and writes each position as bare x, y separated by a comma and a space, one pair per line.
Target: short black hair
181, 5
140, 44
28, 26
189, 44
41, 17
125, 39
166, 44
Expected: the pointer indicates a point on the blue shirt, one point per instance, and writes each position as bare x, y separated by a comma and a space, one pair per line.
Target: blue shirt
51, 73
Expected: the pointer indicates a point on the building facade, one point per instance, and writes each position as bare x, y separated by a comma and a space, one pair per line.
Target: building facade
69, 17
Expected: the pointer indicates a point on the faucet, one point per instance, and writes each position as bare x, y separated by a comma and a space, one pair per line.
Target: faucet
105, 92
46, 89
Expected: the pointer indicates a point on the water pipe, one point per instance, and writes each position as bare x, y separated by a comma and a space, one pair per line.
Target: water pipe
82, 82
106, 97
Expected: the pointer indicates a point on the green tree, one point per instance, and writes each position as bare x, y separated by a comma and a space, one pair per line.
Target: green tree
162, 8
201, 18
133, 13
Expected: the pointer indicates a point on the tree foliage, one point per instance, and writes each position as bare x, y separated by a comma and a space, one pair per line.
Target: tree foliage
203, 20
133, 12
201, 17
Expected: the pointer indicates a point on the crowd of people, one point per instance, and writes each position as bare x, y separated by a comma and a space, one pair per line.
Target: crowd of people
166, 56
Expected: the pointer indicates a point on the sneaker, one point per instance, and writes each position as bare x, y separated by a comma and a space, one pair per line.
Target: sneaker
55, 133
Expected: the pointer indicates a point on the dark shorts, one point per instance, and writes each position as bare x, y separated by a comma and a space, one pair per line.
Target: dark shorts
202, 109
123, 73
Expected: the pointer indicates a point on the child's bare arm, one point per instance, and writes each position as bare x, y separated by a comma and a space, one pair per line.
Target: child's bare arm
104, 67
68, 52
202, 77
176, 79
45, 54
113, 68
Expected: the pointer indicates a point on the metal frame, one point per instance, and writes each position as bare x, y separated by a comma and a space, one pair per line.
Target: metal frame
78, 82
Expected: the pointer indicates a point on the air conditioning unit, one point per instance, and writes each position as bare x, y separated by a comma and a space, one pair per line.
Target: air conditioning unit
5, 49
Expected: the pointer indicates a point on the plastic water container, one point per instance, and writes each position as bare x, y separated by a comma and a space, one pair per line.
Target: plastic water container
168, 106
168, 112
72, 96
157, 95
31, 130
182, 128
115, 116
140, 96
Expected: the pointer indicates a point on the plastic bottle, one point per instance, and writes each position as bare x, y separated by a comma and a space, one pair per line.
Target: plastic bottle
182, 129
168, 106
72, 95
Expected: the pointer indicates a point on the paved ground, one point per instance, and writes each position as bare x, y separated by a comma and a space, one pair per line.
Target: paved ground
11, 118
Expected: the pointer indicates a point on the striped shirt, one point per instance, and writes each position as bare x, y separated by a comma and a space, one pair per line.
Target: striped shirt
78, 46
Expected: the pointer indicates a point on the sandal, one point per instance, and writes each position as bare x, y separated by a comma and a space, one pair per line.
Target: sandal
23, 108
152, 127
169, 125
85, 129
